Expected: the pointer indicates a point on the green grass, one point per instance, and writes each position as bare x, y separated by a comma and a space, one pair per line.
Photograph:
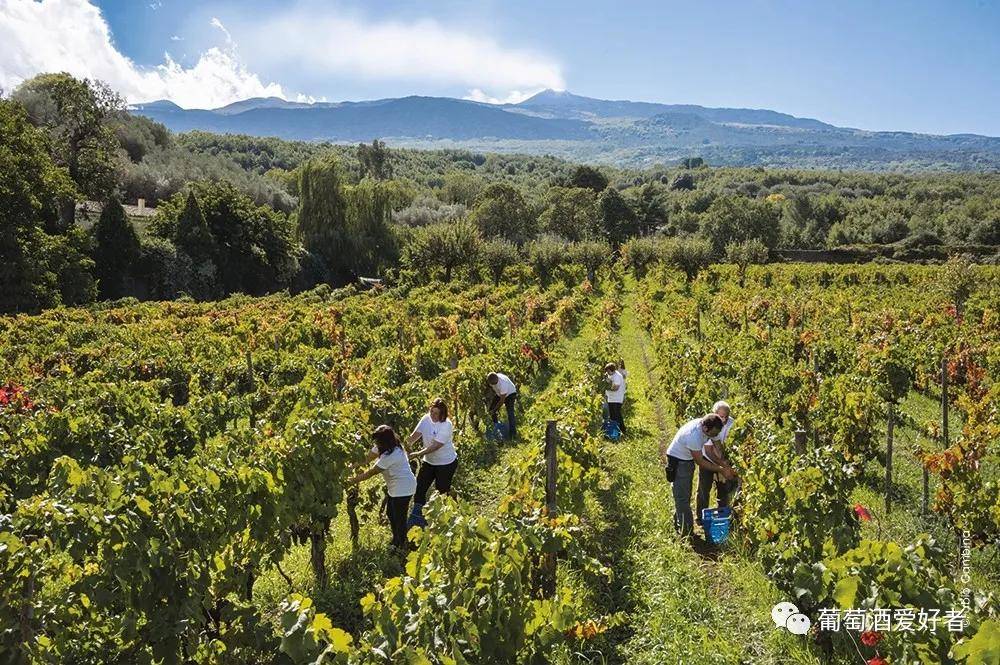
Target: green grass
686, 608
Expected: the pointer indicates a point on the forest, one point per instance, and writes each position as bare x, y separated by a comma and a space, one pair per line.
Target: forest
239, 214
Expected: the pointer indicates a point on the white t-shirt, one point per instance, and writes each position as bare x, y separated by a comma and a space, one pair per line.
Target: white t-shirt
399, 478
504, 386
689, 437
431, 431
615, 396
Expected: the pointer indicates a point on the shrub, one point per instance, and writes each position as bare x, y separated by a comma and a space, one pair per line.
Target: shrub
545, 255
497, 255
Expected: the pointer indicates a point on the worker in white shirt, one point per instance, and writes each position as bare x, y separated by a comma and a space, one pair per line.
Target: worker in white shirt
400, 483
505, 394
715, 452
615, 394
680, 459
440, 460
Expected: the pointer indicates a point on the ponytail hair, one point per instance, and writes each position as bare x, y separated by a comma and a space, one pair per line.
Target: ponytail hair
385, 439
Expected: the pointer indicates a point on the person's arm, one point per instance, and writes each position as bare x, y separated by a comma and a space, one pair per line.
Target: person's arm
364, 475
429, 448
716, 452
414, 435
708, 465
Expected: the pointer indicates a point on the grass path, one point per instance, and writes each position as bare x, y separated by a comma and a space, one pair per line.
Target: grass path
683, 608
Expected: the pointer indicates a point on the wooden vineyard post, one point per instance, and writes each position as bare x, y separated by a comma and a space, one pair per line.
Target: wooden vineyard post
944, 401
890, 421
27, 613
800, 441
352, 516
253, 385
548, 572
944, 427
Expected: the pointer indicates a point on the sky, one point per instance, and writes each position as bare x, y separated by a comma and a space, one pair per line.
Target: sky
908, 65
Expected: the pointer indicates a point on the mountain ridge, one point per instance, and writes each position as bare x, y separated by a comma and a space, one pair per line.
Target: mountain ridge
613, 131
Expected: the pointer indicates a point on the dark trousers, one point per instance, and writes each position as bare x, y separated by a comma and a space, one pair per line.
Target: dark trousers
723, 488
615, 413
682, 478
396, 508
511, 423
438, 474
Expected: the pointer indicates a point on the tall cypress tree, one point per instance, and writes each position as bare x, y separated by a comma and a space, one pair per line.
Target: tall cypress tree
116, 251
193, 234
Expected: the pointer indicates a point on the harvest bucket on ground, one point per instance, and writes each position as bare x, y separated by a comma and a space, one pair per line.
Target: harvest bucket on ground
716, 523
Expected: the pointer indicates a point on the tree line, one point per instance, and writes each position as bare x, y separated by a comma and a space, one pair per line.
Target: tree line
239, 214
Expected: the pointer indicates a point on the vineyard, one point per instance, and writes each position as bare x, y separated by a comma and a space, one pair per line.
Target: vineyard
173, 476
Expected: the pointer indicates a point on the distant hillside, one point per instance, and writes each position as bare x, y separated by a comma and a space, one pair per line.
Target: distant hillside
567, 105
597, 130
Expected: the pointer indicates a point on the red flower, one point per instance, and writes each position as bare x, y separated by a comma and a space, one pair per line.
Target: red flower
878, 660
870, 638
862, 512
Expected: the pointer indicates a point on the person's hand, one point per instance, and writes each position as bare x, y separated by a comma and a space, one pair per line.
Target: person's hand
728, 473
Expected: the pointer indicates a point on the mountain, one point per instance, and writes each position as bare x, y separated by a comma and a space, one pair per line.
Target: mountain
407, 117
558, 104
598, 130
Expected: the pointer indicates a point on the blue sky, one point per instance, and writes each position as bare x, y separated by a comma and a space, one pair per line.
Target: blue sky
916, 66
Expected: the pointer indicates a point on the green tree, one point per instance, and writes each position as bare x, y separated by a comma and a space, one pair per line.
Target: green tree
190, 231
37, 269
545, 255
683, 182
736, 219
745, 254
322, 213
376, 160
497, 255
371, 242
447, 246
590, 178
116, 251
570, 212
648, 203
639, 254
139, 136
460, 187
501, 212
615, 217
78, 115
591, 254
689, 255
252, 247
987, 231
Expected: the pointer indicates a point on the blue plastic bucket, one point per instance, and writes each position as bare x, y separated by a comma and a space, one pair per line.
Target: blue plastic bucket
611, 430
497, 432
716, 522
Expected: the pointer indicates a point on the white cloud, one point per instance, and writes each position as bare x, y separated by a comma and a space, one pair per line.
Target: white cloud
216, 23
72, 36
423, 51
513, 97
